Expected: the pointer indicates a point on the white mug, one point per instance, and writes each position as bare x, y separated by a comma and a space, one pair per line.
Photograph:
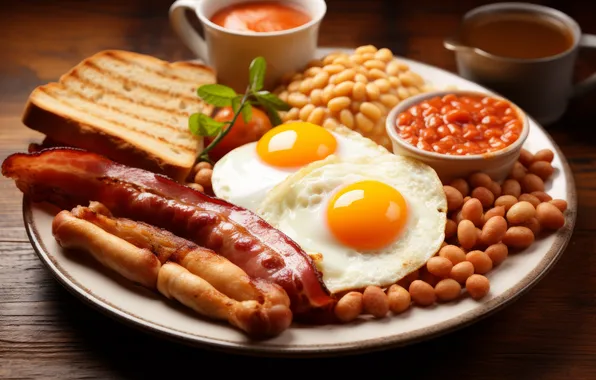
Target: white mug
230, 52
542, 87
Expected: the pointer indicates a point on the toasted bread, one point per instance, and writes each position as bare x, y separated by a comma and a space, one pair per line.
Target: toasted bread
130, 107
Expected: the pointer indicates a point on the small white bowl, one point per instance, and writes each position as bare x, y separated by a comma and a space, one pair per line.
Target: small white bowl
448, 167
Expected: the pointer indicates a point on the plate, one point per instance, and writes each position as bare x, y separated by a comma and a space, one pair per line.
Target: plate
153, 313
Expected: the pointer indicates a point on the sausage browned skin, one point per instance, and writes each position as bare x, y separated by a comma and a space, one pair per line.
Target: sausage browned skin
258, 319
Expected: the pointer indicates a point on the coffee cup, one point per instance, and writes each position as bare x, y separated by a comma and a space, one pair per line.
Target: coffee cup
230, 51
541, 85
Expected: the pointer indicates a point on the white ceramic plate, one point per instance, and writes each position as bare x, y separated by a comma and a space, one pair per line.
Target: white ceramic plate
153, 313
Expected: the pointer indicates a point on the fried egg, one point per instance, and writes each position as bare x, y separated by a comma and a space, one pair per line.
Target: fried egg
246, 174
365, 221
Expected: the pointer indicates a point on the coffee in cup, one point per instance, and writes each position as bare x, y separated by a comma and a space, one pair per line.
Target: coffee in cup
523, 51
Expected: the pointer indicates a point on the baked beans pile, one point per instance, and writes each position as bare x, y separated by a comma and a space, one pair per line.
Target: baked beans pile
357, 90
486, 221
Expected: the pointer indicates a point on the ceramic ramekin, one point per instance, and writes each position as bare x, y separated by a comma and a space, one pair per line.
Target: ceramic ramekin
496, 164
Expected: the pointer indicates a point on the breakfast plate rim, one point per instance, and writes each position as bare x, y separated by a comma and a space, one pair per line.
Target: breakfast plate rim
484, 310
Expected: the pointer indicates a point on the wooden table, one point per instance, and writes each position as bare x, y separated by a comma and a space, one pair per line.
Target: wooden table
45, 332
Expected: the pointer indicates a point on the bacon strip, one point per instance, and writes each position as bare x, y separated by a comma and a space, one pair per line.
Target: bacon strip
70, 177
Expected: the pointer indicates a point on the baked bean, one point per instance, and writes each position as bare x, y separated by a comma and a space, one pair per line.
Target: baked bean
320, 80
297, 99
460, 272
534, 225
422, 293
472, 211
447, 290
346, 118
545, 155
518, 237
389, 100
466, 234
521, 212
450, 228
497, 253
461, 185
399, 299
439, 266
346, 75
484, 195
452, 252
203, 177
371, 111
561, 204
542, 196
511, 187
316, 116
549, 216
202, 165
454, 198
306, 111
364, 123
333, 68
372, 91
496, 189
518, 171
506, 201
542, 169
495, 211
529, 198
531, 182
384, 55
480, 180
359, 90
344, 88
428, 277
196, 186
493, 231
407, 280
477, 286
349, 307
375, 302
525, 157
338, 104
480, 260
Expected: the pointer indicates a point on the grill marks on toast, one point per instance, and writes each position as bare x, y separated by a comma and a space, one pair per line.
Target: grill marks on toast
84, 111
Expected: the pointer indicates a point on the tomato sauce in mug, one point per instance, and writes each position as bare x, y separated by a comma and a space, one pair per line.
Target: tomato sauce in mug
260, 17
460, 125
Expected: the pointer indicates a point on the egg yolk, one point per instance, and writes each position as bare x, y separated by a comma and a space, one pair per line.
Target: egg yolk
295, 144
367, 215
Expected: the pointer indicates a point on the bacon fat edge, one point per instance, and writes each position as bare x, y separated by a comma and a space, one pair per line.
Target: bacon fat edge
69, 177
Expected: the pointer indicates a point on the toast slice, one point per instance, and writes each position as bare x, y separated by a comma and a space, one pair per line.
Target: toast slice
130, 107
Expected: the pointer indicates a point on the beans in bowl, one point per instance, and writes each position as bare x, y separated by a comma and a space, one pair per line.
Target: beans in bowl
460, 124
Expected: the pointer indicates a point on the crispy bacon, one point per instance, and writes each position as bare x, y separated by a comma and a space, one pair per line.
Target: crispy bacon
69, 177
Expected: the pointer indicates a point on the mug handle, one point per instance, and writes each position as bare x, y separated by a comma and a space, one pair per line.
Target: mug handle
184, 29
588, 84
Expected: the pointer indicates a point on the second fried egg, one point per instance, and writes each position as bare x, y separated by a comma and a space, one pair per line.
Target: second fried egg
365, 221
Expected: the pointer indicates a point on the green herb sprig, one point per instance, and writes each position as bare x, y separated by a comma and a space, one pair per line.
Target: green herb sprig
223, 96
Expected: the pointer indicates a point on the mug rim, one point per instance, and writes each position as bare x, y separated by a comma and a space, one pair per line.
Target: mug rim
316, 18
538, 8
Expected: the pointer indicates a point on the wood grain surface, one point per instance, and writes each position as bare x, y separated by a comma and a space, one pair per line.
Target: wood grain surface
46, 333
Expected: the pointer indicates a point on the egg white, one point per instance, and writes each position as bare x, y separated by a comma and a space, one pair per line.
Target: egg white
298, 205
242, 178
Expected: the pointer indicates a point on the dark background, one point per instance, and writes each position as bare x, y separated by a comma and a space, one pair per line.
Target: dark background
549, 333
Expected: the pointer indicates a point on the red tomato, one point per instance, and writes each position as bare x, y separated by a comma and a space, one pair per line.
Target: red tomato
241, 133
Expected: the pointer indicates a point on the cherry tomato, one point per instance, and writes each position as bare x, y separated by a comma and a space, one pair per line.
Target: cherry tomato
241, 133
